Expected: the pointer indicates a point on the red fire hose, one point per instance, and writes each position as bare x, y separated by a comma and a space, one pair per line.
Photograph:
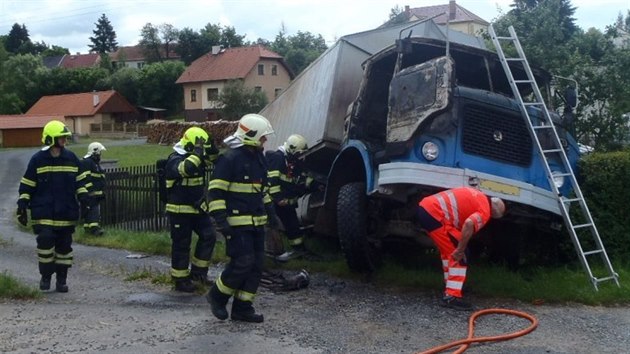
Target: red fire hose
465, 343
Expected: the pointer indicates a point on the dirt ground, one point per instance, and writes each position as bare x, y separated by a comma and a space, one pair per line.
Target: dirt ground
104, 313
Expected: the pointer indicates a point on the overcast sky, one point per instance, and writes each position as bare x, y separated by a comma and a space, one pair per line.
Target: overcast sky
69, 23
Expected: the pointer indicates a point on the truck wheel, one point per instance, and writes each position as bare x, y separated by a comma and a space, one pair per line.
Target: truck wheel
355, 228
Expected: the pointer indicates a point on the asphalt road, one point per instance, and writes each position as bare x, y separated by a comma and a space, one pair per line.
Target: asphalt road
104, 313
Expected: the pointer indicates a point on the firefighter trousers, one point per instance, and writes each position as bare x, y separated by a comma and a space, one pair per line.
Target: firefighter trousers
182, 227
54, 250
291, 223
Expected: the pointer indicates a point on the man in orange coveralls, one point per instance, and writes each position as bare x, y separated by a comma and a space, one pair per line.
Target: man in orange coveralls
450, 218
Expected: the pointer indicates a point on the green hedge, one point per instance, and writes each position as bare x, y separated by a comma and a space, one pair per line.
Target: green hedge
605, 182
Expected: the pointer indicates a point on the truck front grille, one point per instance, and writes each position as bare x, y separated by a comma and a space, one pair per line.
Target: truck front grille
496, 135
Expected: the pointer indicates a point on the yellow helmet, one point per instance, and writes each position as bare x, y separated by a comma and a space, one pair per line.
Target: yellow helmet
295, 144
252, 127
190, 137
54, 129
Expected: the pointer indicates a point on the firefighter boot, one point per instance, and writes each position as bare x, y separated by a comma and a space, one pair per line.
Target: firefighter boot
184, 285
296, 251
244, 311
62, 275
44, 283
217, 301
200, 275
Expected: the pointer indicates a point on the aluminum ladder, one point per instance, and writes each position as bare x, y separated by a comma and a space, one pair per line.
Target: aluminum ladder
579, 225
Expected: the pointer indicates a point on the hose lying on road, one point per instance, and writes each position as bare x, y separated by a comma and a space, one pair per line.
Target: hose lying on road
465, 343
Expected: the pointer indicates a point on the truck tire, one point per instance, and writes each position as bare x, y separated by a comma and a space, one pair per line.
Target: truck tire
354, 227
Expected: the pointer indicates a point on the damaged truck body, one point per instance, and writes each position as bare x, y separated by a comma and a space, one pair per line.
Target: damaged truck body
395, 114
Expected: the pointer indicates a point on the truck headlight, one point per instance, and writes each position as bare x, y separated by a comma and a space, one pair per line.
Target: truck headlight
430, 151
558, 180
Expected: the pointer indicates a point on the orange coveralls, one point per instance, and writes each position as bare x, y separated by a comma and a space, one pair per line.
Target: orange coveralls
450, 209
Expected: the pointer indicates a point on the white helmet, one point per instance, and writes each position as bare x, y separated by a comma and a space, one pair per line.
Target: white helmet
295, 144
94, 148
252, 127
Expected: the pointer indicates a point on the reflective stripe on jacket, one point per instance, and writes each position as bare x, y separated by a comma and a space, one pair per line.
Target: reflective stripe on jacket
287, 180
95, 181
50, 187
453, 207
185, 184
238, 189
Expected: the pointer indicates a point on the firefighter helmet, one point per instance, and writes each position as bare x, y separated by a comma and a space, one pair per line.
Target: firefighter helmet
52, 130
95, 148
295, 144
190, 137
251, 128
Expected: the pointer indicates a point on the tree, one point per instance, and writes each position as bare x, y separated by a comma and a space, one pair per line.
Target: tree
299, 50
55, 51
189, 46
20, 85
169, 35
125, 81
151, 43
230, 39
397, 15
157, 86
239, 100
104, 40
17, 39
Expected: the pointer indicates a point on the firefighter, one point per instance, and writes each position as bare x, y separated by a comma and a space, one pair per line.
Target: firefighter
187, 208
51, 184
95, 184
450, 218
287, 182
239, 205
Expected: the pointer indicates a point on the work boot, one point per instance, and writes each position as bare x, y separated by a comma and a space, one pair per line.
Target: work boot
201, 279
217, 301
96, 231
62, 275
44, 283
295, 252
244, 311
185, 285
455, 303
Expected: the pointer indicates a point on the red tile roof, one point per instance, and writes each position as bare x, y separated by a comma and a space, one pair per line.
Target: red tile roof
80, 60
136, 53
82, 104
231, 63
25, 121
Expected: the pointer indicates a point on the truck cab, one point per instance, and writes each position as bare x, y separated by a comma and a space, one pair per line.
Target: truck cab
432, 115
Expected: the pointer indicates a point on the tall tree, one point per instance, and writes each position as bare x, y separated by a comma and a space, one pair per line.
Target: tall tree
189, 45
104, 40
157, 85
151, 43
169, 35
17, 39
300, 49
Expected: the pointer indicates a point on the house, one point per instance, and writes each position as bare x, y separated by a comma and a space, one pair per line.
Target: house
72, 61
134, 56
23, 130
80, 110
459, 18
205, 78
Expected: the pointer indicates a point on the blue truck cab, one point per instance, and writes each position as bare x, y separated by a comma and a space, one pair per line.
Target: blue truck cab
432, 115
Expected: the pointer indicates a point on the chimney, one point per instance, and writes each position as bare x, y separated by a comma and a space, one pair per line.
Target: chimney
452, 9
95, 99
216, 49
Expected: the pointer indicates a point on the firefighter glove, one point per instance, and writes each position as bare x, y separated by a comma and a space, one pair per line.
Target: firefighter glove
22, 216
199, 149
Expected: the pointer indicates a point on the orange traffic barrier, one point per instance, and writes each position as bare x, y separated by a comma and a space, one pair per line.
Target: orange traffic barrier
465, 343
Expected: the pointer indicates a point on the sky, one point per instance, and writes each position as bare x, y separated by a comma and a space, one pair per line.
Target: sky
69, 23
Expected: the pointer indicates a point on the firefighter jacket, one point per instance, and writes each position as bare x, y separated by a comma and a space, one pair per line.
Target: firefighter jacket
454, 206
287, 178
238, 189
50, 187
186, 181
95, 181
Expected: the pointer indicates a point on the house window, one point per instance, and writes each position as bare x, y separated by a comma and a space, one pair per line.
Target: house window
213, 94
140, 65
257, 88
277, 92
193, 95
261, 69
274, 70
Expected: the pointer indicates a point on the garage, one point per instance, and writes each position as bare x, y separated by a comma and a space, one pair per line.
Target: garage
23, 130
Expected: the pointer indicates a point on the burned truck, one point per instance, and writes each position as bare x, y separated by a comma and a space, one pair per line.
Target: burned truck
429, 112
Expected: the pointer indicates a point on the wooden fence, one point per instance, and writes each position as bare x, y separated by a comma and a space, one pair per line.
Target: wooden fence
131, 200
